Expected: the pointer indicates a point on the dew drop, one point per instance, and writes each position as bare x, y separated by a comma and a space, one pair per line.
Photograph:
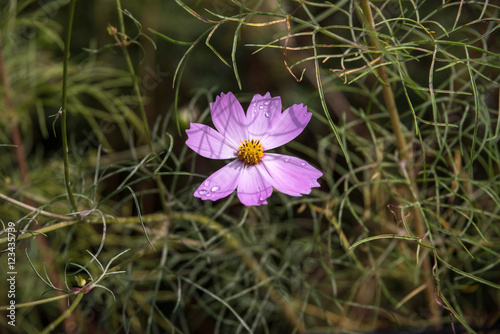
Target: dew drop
266, 102
268, 114
214, 189
207, 183
261, 107
208, 195
287, 159
303, 163
202, 192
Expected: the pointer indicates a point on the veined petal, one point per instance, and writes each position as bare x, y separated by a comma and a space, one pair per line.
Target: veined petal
209, 143
229, 118
221, 183
292, 122
291, 175
254, 185
263, 112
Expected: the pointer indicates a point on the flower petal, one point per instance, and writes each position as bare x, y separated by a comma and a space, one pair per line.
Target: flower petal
209, 143
292, 122
291, 175
262, 114
229, 118
254, 185
221, 183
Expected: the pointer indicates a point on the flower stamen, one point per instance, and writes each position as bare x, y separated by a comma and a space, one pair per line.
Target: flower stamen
251, 152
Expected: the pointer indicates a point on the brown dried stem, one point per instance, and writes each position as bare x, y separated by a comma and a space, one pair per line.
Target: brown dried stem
404, 153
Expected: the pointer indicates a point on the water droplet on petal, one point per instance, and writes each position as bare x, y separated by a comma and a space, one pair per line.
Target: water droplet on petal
208, 194
268, 114
266, 102
214, 189
287, 159
261, 107
207, 183
202, 192
303, 163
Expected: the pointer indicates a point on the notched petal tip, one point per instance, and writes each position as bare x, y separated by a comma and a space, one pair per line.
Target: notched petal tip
221, 183
291, 175
290, 124
228, 117
262, 115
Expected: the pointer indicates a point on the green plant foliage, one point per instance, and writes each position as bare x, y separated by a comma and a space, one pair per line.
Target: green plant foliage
96, 182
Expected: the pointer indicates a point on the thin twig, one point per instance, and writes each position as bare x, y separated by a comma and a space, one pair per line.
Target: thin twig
286, 43
40, 301
390, 102
63, 110
33, 209
65, 315
142, 110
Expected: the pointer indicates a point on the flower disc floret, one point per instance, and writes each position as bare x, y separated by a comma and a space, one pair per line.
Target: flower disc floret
251, 152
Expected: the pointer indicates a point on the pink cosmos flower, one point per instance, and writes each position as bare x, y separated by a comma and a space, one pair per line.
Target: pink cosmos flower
247, 138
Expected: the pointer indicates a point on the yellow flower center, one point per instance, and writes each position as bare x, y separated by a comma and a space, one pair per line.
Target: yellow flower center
250, 152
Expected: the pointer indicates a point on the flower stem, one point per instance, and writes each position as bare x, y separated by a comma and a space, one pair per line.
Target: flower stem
404, 154
63, 110
140, 101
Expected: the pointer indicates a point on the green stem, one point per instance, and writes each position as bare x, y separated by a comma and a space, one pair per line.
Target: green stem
40, 302
63, 110
141, 103
134, 79
65, 315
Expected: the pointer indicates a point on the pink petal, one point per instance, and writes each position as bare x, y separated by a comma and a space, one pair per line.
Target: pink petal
290, 125
209, 143
262, 114
221, 183
254, 186
229, 118
291, 175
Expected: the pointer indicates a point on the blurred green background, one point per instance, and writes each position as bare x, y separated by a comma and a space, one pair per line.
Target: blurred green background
395, 240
